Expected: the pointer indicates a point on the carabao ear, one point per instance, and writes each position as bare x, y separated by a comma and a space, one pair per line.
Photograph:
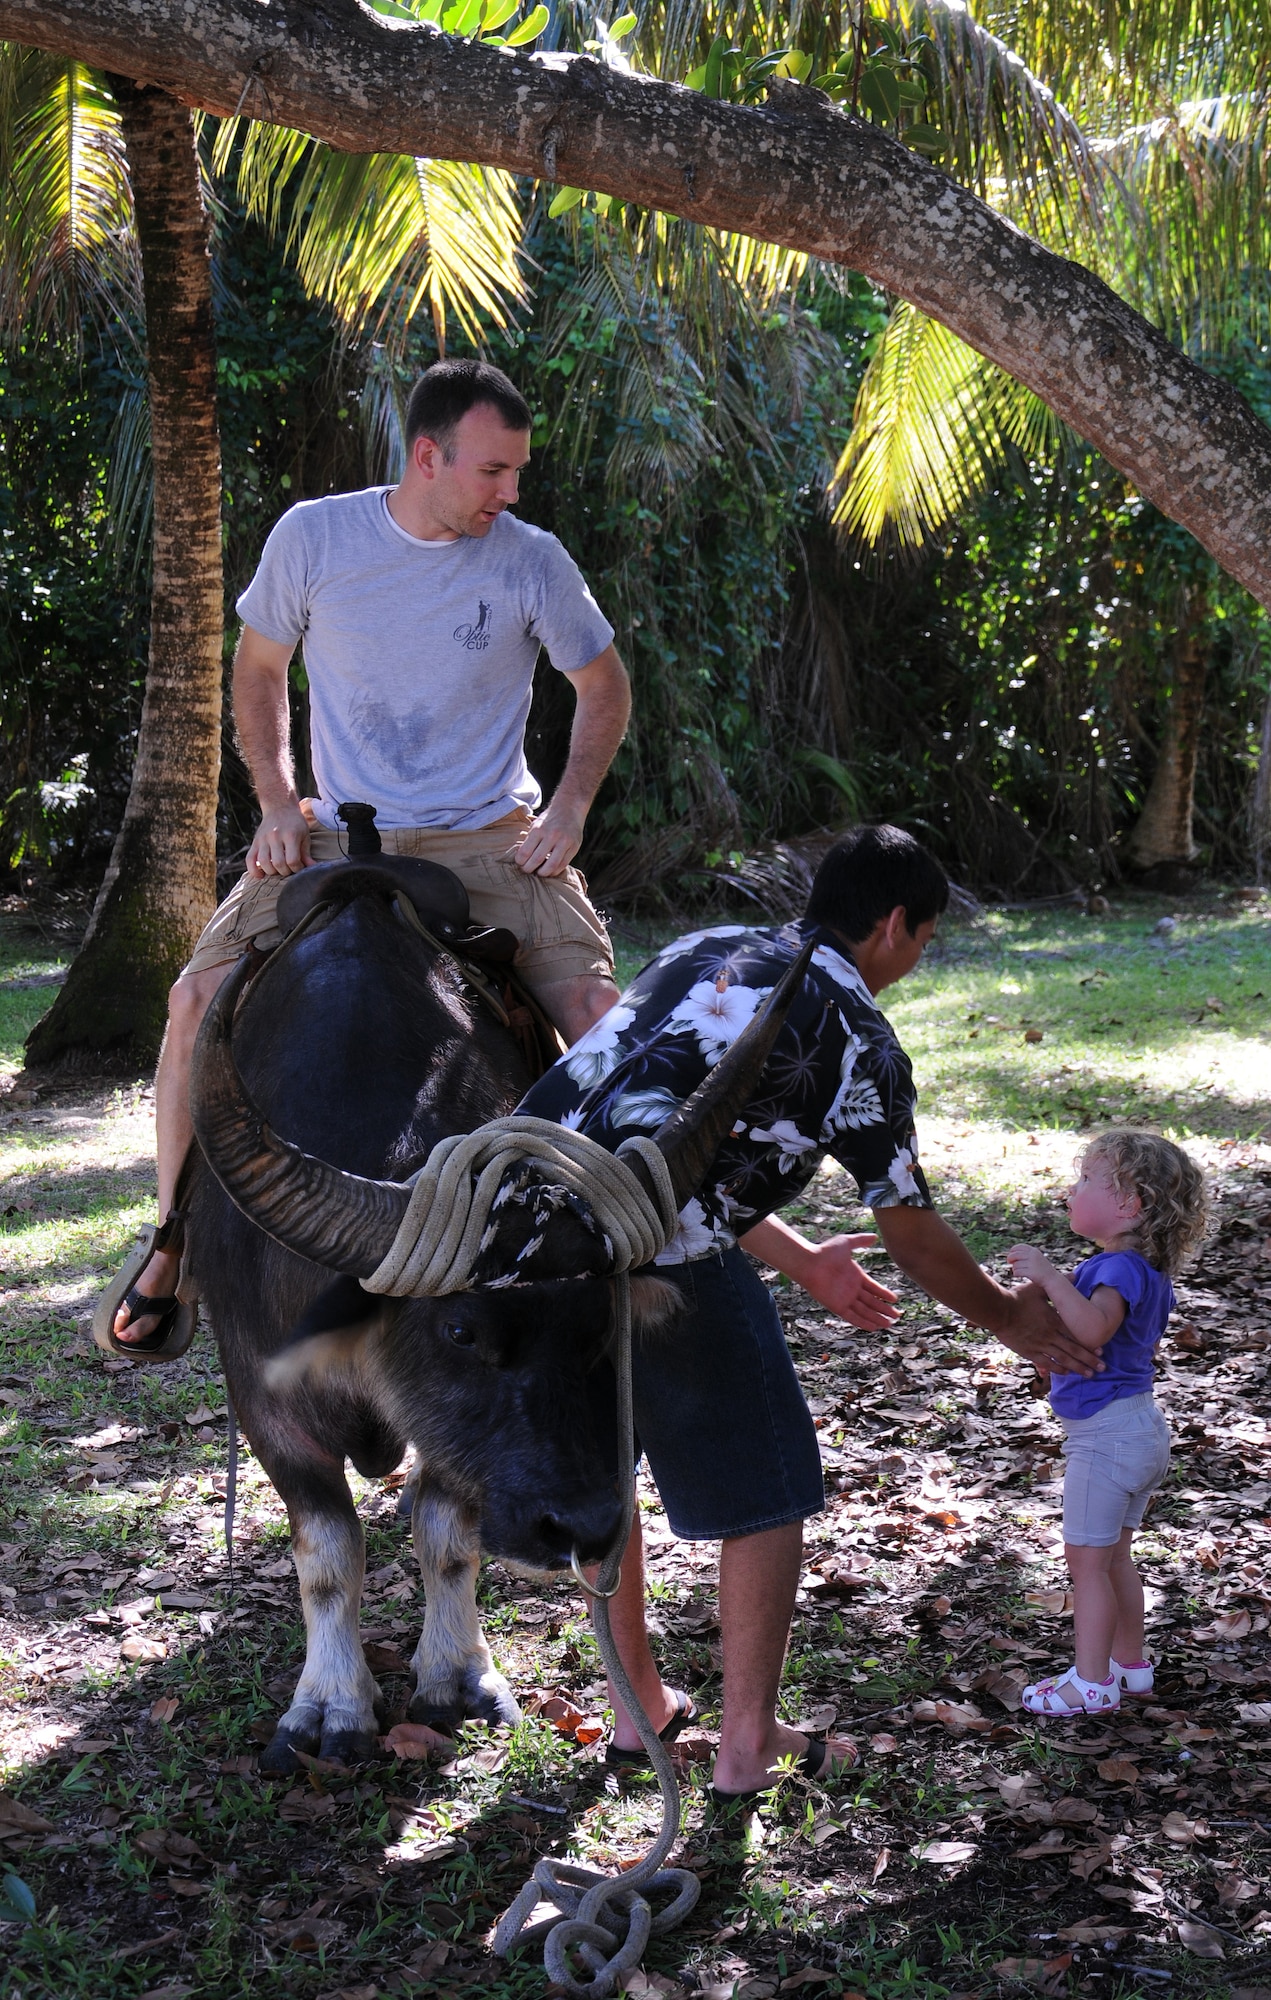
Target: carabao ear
655, 1305
330, 1335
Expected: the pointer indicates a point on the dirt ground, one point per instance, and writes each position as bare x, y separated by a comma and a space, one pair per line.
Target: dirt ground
975, 1851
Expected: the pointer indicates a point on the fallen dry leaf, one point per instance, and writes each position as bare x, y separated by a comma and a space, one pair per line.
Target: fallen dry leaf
884, 1745
1200, 1938
881, 1860
1183, 1831
1053, 1602
1090, 1931
140, 1648
945, 1853
416, 1739
1227, 1625
14, 1813
1118, 1771
811, 1975
165, 1708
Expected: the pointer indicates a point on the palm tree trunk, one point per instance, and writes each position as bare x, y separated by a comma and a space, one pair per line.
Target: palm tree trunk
160, 886
1162, 839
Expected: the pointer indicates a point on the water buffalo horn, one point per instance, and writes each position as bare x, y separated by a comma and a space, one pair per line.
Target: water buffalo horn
338, 1219
691, 1136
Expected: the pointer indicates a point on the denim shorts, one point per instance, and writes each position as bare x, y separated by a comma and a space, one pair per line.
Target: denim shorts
719, 1413
1115, 1462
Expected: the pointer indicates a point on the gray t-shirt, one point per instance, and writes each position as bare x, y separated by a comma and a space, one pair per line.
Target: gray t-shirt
420, 655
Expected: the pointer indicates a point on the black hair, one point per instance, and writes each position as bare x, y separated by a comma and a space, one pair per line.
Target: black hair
447, 391
872, 871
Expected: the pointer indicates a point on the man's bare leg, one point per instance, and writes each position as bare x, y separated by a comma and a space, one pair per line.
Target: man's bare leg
577, 1004
758, 1578
188, 1001
626, 1622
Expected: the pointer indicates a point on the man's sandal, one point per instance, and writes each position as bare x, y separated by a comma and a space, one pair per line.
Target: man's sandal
639, 1758
1070, 1694
177, 1317
818, 1763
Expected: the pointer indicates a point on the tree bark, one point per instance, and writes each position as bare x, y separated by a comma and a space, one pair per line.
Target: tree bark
160, 886
794, 171
1163, 837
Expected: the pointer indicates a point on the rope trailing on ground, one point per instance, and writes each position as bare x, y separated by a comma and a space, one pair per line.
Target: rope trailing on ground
607, 1920
601, 1920
454, 1193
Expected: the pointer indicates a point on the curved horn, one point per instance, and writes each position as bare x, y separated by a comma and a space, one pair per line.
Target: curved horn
338, 1219
691, 1136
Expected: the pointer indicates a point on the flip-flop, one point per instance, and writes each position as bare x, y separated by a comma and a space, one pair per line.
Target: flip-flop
178, 1317
639, 1759
810, 1765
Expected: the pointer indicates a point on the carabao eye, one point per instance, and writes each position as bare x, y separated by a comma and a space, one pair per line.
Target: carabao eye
461, 1335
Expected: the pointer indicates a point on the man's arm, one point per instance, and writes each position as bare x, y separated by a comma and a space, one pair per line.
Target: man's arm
603, 695
263, 720
828, 1271
935, 1257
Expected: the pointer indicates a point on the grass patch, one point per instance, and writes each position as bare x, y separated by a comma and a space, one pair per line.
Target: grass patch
166, 1864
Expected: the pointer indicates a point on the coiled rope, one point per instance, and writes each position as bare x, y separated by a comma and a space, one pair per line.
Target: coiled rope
454, 1194
604, 1921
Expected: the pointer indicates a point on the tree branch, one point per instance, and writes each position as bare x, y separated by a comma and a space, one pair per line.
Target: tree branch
794, 171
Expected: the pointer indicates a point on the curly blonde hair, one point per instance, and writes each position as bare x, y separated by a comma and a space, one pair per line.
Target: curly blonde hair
1173, 1195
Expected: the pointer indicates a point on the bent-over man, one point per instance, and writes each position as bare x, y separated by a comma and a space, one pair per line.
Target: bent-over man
421, 608
718, 1410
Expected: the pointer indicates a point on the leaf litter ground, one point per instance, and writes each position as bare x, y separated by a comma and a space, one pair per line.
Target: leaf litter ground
975, 1851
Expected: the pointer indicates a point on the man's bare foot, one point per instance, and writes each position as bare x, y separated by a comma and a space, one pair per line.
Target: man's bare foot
660, 1713
157, 1281
737, 1772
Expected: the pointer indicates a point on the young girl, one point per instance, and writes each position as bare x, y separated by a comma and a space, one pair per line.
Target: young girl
1144, 1202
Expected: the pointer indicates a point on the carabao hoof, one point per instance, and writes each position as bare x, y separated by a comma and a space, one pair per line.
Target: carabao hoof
279, 1758
349, 1746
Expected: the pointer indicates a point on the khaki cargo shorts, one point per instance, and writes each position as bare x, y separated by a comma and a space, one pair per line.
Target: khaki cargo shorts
561, 937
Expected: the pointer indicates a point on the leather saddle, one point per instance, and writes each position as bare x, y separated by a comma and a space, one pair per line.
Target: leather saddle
438, 898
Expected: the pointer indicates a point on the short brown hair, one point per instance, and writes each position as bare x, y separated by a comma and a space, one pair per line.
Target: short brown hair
446, 392
1173, 1196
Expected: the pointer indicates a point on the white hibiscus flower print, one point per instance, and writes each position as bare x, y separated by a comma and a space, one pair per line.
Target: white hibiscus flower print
597, 1052
694, 1236
681, 945
716, 1013
900, 1172
841, 970
793, 1144
572, 1120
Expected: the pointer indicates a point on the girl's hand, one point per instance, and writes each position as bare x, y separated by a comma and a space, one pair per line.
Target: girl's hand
1026, 1262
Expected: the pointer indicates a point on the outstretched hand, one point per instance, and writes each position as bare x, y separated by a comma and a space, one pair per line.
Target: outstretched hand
837, 1282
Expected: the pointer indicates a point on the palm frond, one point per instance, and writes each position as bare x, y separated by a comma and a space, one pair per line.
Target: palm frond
66, 242
382, 236
932, 426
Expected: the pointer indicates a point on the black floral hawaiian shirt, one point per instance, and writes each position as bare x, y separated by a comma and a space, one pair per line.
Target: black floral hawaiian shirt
837, 1081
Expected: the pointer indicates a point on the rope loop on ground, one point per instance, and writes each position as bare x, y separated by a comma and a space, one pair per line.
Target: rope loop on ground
453, 1198
606, 1920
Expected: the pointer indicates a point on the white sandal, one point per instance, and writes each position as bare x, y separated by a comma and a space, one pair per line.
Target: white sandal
1092, 1697
1139, 1679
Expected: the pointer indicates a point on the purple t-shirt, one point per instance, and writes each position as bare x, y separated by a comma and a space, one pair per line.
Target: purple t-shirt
1127, 1358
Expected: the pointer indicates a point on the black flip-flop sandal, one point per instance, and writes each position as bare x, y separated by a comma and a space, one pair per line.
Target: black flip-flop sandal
177, 1318
639, 1759
810, 1765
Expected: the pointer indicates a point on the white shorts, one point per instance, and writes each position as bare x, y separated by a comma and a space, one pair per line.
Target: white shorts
1115, 1462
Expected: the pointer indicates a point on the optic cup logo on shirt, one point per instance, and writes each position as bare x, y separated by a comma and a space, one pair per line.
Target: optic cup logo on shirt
475, 638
